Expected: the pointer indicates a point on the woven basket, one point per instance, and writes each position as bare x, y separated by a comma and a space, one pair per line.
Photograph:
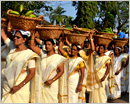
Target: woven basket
81, 31
102, 40
76, 38
120, 42
49, 32
3, 22
23, 23
49, 25
105, 34
68, 31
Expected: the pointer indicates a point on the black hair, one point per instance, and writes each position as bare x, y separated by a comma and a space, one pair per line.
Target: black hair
34, 41
50, 40
102, 45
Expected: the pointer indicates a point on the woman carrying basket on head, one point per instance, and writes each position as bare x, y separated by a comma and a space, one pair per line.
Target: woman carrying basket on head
52, 68
20, 70
118, 64
102, 67
74, 77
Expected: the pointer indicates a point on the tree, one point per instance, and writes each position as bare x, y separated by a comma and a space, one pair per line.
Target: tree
57, 15
107, 14
68, 22
122, 14
86, 12
29, 5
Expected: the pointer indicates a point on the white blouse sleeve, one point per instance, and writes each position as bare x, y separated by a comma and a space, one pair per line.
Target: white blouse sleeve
31, 63
9, 43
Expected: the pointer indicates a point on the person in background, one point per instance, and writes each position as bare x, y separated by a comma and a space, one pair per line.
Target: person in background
121, 34
127, 74
102, 66
111, 55
126, 35
118, 65
124, 71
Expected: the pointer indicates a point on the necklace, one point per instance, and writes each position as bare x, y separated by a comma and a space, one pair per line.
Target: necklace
13, 57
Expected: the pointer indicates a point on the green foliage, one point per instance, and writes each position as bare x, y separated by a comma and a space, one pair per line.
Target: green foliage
68, 21
29, 5
108, 30
57, 15
86, 12
122, 14
107, 14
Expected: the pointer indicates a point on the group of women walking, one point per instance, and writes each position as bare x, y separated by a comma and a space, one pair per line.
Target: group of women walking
34, 75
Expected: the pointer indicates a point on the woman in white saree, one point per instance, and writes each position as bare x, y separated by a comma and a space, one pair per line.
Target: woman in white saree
74, 78
127, 74
20, 69
118, 63
124, 71
52, 68
102, 66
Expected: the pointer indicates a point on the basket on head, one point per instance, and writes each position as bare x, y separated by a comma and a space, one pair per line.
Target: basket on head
81, 31
49, 32
22, 22
105, 34
120, 42
76, 38
3, 22
49, 25
68, 31
102, 40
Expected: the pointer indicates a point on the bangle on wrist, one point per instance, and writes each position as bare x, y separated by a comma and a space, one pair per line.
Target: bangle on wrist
91, 39
9, 28
53, 79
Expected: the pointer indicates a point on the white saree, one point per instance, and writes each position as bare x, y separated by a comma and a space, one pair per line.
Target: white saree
117, 65
70, 80
13, 74
127, 78
124, 74
98, 95
4, 52
108, 53
49, 65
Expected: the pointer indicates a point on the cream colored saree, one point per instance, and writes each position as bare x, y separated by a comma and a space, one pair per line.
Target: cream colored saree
98, 95
13, 74
117, 61
70, 81
49, 65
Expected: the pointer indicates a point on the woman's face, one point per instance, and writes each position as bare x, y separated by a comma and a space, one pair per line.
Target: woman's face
116, 51
49, 46
74, 51
18, 39
101, 49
